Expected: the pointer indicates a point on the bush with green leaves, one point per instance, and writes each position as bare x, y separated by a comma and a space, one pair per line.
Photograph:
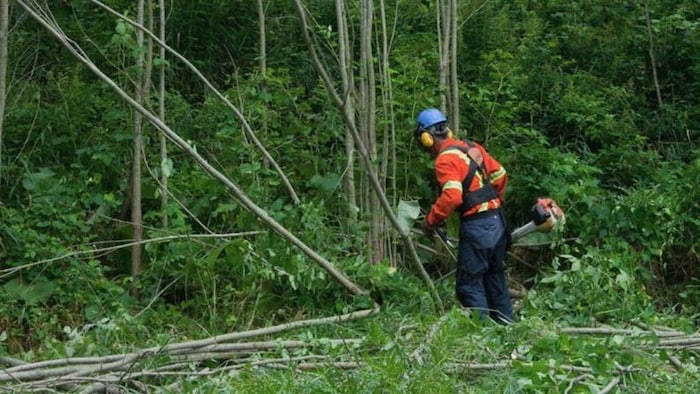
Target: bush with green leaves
592, 289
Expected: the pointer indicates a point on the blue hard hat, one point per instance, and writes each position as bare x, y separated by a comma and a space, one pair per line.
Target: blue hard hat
429, 117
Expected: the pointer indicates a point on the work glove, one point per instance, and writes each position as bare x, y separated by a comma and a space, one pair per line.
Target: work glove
441, 230
428, 230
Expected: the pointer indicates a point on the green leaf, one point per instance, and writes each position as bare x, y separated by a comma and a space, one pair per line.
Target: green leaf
213, 256
159, 61
576, 265
407, 212
224, 208
623, 280
167, 167
552, 279
121, 27
326, 183
249, 168
31, 293
39, 182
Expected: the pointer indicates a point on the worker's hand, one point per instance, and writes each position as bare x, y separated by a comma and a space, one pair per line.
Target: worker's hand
441, 231
428, 230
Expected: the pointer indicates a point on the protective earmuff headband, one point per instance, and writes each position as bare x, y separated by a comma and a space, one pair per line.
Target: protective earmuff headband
417, 134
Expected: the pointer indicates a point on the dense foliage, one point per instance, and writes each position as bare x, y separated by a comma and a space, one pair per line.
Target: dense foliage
563, 93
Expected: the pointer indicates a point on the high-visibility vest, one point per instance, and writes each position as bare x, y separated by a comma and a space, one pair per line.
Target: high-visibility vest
486, 191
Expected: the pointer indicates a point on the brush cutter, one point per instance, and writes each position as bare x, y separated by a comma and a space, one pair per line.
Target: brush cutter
544, 216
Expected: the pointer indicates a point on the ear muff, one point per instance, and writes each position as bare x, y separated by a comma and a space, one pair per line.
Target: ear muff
426, 138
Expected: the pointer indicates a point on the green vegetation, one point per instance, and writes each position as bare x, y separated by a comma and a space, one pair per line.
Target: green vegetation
562, 93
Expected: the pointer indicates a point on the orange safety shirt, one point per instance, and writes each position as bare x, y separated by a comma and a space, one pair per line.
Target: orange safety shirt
451, 169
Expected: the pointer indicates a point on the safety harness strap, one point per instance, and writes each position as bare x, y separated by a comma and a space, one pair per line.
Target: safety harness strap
481, 195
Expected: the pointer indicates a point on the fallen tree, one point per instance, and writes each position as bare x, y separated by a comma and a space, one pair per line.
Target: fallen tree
161, 361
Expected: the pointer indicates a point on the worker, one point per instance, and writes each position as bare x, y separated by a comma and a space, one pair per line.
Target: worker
473, 184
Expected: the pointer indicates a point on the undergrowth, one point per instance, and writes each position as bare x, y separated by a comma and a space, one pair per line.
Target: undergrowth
608, 266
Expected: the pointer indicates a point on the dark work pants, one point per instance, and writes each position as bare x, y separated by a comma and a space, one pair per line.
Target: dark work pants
481, 280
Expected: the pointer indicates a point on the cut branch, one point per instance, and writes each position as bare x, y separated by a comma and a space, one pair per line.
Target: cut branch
218, 347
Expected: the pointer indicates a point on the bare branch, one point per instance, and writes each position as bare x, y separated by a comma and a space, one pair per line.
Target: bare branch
610, 386
617, 331
218, 347
417, 354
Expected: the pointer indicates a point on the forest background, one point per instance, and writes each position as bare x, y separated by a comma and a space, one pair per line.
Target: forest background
259, 169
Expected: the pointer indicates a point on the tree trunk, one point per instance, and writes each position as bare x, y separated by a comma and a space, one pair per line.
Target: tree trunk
263, 69
454, 81
4, 31
652, 57
165, 165
136, 210
389, 129
447, 43
263, 43
443, 30
368, 108
348, 84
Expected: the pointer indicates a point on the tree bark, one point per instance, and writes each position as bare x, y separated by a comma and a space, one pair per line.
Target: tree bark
263, 68
367, 103
164, 161
388, 156
652, 57
454, 76
4, 31
136, 209
443, 30
348, 84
